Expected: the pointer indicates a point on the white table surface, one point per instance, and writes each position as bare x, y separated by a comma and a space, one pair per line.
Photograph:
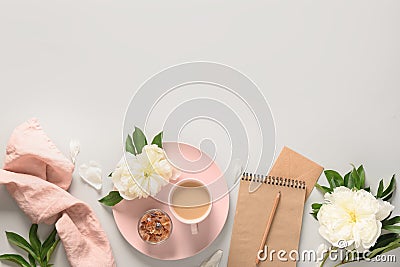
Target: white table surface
330, 71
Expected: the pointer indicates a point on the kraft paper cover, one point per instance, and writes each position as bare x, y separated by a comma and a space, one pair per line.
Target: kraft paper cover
253, 210
293, 165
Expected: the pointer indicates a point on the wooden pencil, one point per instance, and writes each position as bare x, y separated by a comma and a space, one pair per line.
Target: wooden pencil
269, 223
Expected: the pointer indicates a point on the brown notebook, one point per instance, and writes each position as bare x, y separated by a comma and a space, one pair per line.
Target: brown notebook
293, 175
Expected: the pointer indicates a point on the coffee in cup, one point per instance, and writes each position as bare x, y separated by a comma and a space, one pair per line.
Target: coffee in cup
190, 202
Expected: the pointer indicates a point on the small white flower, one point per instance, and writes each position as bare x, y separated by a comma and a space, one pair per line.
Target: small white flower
145, 174
91, 174
74, 149
353, 217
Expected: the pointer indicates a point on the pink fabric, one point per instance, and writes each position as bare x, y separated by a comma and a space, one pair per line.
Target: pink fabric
37, 174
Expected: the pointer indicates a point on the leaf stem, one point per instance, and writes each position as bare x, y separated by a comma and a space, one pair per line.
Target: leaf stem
327, 256
324, 259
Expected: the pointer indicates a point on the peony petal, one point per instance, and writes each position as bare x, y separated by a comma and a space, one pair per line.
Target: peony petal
366, 232
154, 186
153, 153
163, 168
127, 195
175, 174
325, 233
366, 204
341, 196
385, 208
214, 260
91, 173
372, 238
74, 149
332, 215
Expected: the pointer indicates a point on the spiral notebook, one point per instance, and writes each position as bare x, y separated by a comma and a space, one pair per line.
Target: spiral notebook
253, 210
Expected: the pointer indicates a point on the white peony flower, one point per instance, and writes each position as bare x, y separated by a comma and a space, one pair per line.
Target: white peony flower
147, 173
353, 217
91, 174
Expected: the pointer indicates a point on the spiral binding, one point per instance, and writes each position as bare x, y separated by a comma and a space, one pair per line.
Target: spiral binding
280, 181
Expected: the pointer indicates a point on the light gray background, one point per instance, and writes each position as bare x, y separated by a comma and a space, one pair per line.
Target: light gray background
330, 71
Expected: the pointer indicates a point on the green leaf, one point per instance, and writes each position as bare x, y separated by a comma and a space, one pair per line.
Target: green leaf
392, 228
388, 197
390, 189
393, 245
20, 242
50, 240
346, 179
139, 139
323, 189
16, 259
384, 240
334, 178
380, 189
391, 221
52, 248
32, 260
368, 189
332, 184
157, 140
111, 199
34, 239
356, 178
129, 147
349, 181
361, 174
314, 214
316, 206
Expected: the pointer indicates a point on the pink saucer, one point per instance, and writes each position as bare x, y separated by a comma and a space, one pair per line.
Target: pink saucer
181, 244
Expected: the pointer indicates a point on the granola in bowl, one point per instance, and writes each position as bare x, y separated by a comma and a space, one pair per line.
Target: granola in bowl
155, 226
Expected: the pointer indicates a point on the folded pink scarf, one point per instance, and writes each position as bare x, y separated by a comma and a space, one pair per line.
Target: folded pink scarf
37, 174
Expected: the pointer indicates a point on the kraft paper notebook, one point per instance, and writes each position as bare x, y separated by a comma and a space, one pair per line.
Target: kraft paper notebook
294, 176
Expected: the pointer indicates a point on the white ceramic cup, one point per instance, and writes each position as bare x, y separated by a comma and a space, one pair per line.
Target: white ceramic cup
193, 222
